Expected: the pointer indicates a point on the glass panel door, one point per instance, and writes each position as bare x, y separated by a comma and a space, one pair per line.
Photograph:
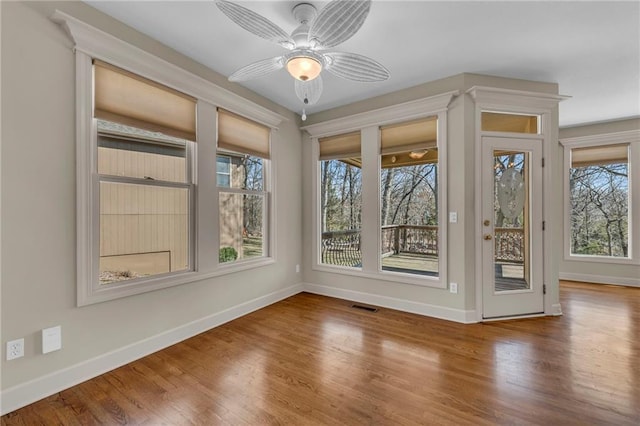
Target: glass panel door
511, 219
512, 237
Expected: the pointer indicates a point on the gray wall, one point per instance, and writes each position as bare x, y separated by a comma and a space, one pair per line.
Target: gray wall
599, 271
39, 214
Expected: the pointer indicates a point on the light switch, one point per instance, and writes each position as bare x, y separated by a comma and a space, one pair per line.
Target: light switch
51, 339
453, 217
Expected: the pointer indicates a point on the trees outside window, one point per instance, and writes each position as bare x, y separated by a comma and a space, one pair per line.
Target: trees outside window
341, 212
409, 217
599, 201
340, 200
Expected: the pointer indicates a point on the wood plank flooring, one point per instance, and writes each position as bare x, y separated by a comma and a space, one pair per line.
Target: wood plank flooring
316, 360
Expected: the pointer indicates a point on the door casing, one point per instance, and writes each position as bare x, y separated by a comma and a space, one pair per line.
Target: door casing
525, 302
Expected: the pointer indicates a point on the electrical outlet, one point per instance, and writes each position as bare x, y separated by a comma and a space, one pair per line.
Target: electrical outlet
453, 217
15, 349
453, 287
297, 269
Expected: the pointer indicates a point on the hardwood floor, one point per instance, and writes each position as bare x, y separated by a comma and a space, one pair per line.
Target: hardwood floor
316, 360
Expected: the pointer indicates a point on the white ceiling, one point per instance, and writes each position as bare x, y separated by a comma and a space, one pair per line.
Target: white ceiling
591, 49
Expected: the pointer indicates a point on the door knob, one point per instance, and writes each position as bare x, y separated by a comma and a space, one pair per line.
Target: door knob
487, 237
487, 223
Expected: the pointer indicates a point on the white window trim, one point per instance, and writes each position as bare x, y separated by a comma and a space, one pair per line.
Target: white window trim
632, 137
368, 123
92, 43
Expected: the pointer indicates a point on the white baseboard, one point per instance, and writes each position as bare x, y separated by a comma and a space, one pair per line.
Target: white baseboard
34, 390
556, 310
457, 315
600, 279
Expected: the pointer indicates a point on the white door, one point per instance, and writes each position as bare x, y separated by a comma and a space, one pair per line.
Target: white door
512, 246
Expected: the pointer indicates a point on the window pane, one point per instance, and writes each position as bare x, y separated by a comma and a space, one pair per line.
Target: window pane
341, 211
130, 152
224, 180
223, 171
514, 123
223, 164
409, 212
144, 230
599, 203
251, 169
241, 226
240, 171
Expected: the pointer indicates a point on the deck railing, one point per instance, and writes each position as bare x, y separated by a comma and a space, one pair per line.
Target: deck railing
409, 239
343, 247
509, 244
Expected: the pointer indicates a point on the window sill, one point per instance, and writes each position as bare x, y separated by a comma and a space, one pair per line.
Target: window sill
125, 289
394, 277
601, 259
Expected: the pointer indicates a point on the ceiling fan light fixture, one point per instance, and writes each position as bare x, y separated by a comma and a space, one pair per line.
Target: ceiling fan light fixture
304, 68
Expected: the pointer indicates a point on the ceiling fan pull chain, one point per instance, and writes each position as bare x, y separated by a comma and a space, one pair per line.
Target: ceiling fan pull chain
304, 115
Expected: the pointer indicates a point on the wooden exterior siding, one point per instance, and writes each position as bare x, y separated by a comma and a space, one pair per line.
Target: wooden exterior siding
139, 219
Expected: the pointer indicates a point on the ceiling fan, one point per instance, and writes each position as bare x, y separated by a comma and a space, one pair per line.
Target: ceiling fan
338, 21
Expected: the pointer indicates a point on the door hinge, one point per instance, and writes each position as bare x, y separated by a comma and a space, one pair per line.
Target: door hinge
544, 289
544, 225
542, 161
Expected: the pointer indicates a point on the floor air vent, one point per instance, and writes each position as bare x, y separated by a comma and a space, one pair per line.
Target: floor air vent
365, 308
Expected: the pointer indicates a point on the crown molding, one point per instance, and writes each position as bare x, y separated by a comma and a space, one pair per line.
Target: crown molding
402, 112
493, 97
603, 139
101, 45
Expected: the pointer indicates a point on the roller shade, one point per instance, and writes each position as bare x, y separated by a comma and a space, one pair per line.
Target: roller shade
408, 136
239, 134
132, 100
600, 155
513, 123
340, 146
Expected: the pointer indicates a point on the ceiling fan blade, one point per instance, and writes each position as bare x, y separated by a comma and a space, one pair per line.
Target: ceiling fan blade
256, 24
258, 69
309, 90
337, 22
355, 67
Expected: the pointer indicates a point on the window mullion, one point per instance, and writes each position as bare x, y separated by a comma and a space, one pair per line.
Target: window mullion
207, 230
370, 233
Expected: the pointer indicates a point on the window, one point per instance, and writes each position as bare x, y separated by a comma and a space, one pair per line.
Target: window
137, 165
599, 201
144, 203
340, 200
512, 123
223, 171
409, 197
602, 199
243, 199
145, 185
379, 198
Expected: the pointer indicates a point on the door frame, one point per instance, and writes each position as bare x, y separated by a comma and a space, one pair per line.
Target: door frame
545, 105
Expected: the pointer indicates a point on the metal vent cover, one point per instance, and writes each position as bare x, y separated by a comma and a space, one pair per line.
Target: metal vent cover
364, 308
